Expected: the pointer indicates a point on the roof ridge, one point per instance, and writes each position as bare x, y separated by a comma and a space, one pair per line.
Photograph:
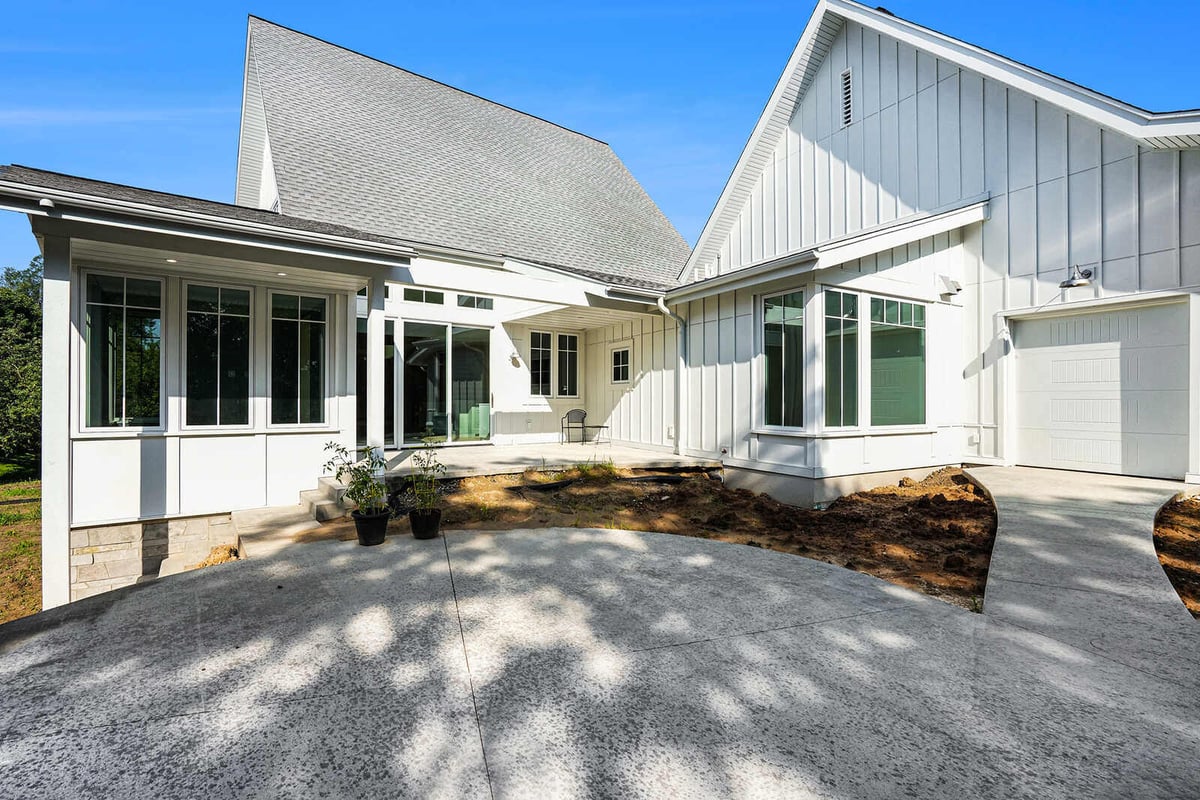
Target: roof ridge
427, 78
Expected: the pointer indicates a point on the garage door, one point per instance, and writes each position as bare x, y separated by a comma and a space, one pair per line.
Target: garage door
1105, 392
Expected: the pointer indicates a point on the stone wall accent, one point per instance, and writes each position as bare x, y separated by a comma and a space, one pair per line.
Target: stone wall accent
107, 557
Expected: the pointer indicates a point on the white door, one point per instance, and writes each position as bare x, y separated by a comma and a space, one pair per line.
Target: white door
1105, 391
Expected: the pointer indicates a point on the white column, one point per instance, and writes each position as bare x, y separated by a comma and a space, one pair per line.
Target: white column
1193, 472
56, 422
375, 345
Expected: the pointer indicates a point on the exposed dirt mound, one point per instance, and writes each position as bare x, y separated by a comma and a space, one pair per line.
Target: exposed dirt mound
221, 554
1177, 540
934, 536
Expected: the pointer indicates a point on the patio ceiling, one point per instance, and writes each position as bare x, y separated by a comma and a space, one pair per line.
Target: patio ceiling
579, 317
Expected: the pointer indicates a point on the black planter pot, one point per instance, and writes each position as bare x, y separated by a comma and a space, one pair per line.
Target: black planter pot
371, 528
425, 522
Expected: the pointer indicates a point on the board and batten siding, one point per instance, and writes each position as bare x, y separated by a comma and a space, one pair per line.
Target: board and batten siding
642, 411
926, 134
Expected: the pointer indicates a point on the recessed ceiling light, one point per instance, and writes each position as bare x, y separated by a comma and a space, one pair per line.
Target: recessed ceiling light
281, 274
172, 261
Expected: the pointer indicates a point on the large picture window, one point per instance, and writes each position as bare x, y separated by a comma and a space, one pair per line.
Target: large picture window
123, 340
568, 365
783, 360
297, 359
218, 356
539, 363
841, 359
897, 362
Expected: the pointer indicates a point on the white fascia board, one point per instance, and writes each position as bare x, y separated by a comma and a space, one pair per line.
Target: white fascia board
912, 229
839, 251
1121, 117
242, 120
150, 218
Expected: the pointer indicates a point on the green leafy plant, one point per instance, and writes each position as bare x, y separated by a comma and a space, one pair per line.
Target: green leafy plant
363, 476
426, 471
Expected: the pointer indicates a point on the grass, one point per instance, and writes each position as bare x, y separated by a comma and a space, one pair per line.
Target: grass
20, 543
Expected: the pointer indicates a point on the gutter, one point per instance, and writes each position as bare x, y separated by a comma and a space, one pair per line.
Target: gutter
681, 363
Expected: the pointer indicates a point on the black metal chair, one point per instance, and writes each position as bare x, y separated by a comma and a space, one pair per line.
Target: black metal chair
576, 420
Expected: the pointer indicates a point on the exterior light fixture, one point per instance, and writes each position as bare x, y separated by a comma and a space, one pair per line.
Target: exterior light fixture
1078, 277
281, 274
172, 261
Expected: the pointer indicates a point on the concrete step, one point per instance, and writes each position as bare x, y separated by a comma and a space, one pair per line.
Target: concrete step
331, 488
266, 531
321, 506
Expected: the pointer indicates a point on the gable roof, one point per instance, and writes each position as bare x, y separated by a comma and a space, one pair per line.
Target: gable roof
1165, 130
362, 143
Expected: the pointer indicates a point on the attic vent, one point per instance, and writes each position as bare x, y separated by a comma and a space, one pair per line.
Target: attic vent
847, 98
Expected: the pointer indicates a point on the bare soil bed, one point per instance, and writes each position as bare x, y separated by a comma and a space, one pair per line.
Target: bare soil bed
1177, 540
934, 536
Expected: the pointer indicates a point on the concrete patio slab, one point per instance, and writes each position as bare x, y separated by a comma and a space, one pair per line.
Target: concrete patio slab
569, 663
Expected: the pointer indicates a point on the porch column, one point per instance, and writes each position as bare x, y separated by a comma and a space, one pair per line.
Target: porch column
375, 377
56, 421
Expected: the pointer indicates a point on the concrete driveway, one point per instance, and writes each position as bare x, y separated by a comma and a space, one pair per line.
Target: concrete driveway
569, 663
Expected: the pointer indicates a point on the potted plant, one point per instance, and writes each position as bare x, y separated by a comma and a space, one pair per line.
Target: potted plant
426, 517
365, 488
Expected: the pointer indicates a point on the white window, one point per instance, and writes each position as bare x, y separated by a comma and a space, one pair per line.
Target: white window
123, 352
783, 359
217, 355
620, 365
897, 362
539, 363
298, 359
424, 296
474, 301
568, 365
841, 359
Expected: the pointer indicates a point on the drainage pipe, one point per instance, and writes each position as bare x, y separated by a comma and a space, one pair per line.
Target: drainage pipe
680, 364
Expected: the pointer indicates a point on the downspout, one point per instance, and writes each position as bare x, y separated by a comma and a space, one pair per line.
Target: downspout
681, 363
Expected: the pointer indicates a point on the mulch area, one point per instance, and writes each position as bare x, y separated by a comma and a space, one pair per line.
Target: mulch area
934, 536
1177, 540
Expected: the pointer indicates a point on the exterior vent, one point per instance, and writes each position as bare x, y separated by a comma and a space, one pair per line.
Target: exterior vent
847, 98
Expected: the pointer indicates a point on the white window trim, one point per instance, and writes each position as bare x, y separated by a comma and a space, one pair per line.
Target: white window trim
758, 379
163, 345
327, 423
627, 346
183, 361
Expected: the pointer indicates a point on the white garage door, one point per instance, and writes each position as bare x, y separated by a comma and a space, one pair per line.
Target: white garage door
1105, 392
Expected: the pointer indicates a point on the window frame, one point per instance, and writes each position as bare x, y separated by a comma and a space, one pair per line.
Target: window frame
327, 382
627, 349
580, 371
184, 285
869, 351
424, 296
163, 339
760, 373
862, 356
475, 300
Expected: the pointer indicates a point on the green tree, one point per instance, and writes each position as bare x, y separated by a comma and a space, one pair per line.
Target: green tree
21, 363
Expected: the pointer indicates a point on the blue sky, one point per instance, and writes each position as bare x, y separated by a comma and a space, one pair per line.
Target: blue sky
148, 93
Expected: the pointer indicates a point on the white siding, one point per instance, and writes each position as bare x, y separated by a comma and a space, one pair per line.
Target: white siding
926, 135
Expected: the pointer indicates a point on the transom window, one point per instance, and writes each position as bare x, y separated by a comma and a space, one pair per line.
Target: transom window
123, 340
897, 362
218, 356
424, 296
783, 361
620, 365
841, 358
298, 337
474, 301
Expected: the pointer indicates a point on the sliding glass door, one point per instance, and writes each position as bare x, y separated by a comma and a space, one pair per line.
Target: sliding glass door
446, 384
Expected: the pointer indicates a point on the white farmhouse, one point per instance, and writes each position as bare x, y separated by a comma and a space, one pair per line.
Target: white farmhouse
927, 254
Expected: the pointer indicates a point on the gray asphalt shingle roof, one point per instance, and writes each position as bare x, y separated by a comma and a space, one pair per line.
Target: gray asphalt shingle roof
368, 145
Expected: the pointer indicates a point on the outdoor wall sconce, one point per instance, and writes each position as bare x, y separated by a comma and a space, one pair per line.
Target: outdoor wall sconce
1078, 277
